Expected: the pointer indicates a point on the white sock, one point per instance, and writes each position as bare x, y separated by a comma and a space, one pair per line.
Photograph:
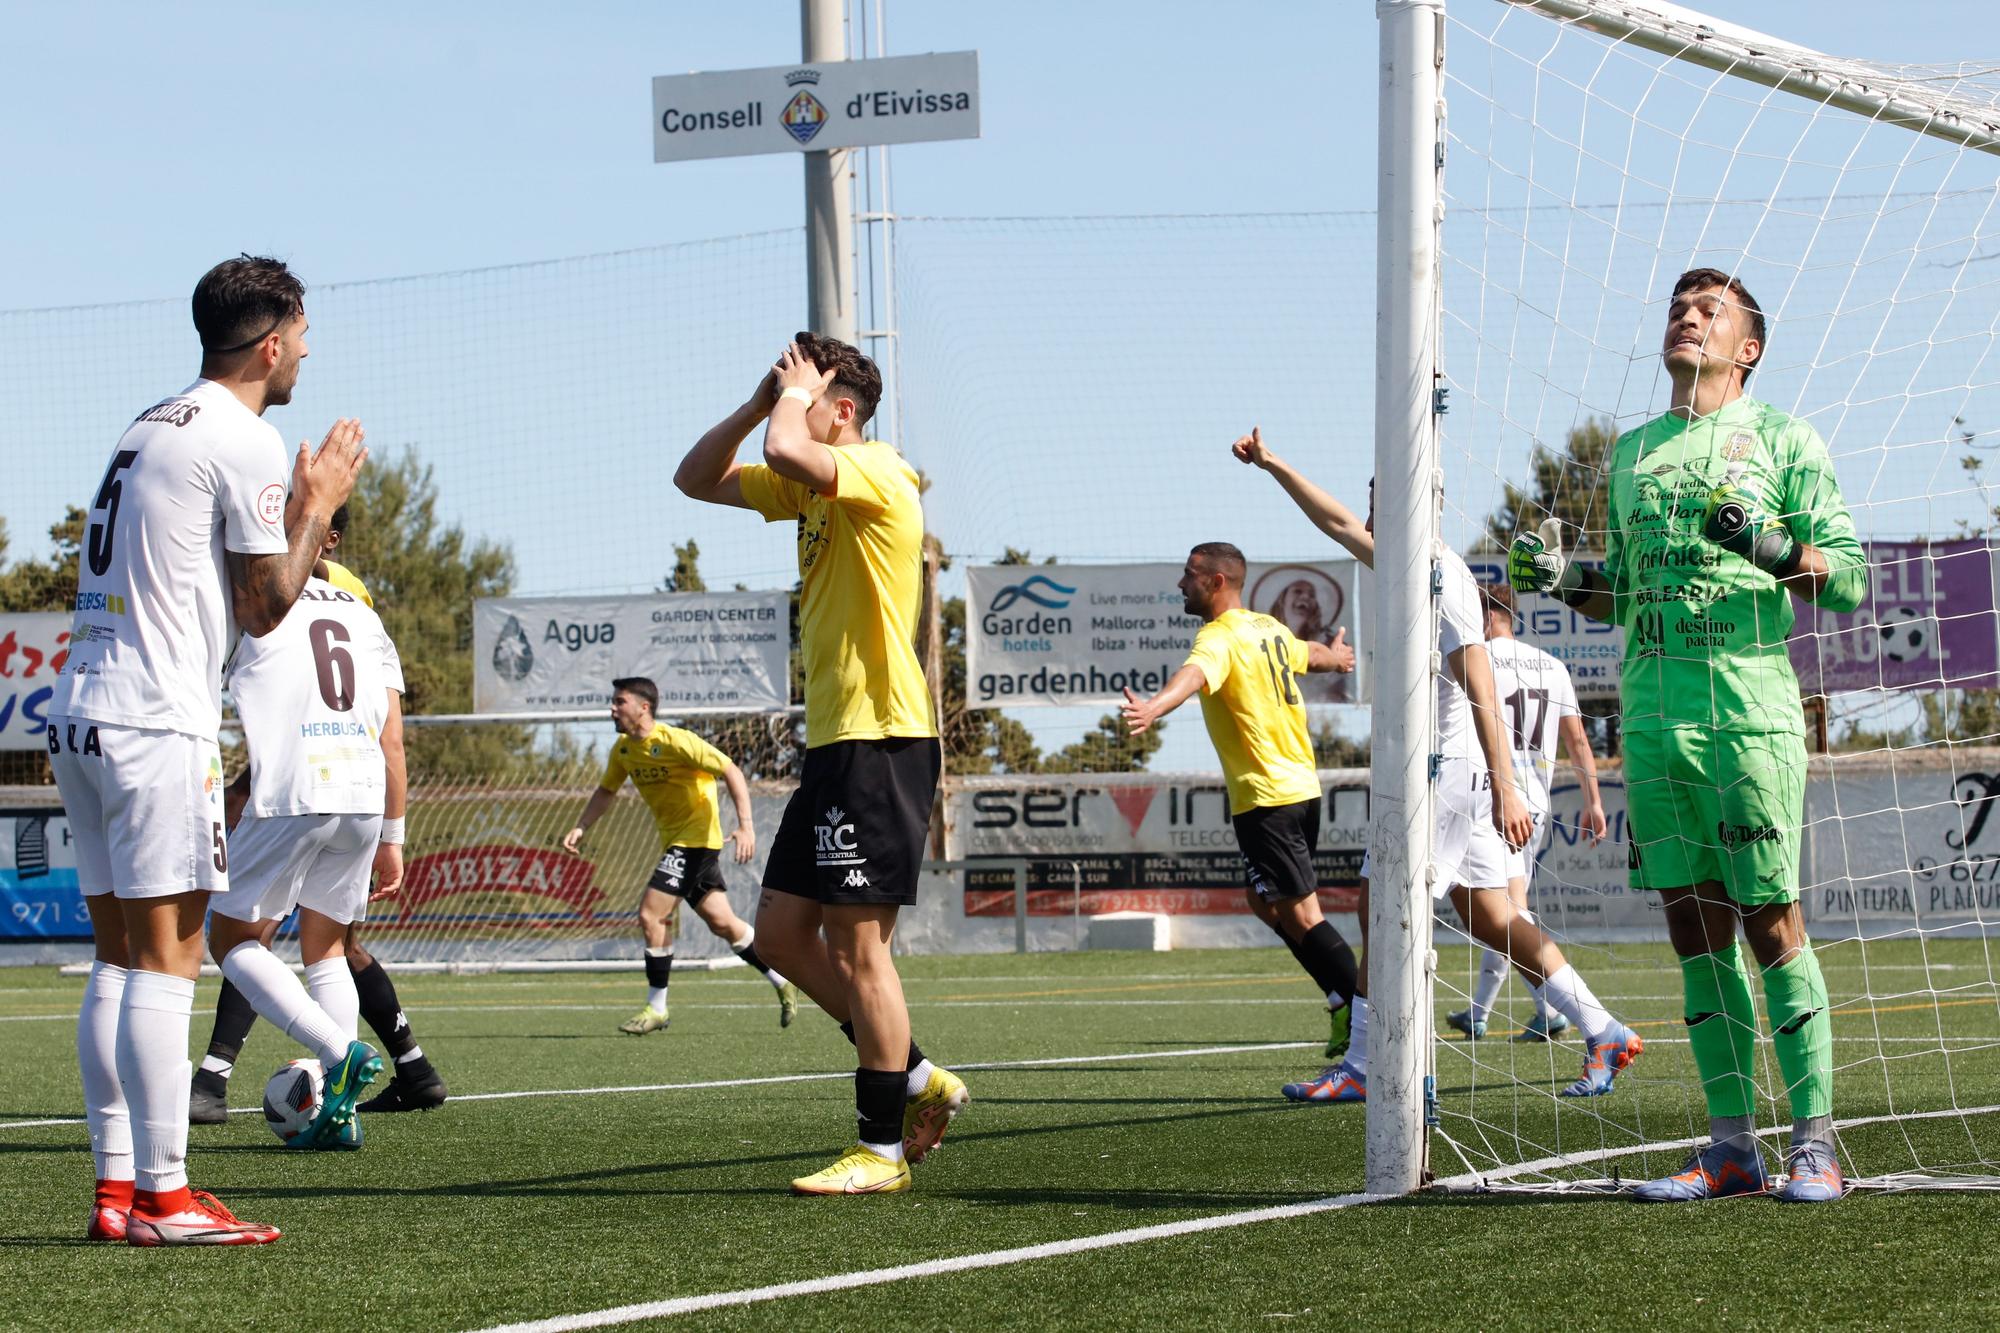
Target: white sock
892, 1151
97, 1056
278, 996
1333, 1002
1492, 976
1570, 995
215, 1064
1541, 1005
153, 1068
656, 996
1357, 1037
920, 1077
414, 1053
331, 984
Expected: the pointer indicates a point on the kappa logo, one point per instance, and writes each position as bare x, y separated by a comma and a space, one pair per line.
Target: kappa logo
855, 879
836, 843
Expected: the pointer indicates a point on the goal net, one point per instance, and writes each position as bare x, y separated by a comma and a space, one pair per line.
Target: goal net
1591, 153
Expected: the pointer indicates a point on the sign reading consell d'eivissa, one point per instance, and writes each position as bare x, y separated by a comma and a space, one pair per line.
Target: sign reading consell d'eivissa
1084, 634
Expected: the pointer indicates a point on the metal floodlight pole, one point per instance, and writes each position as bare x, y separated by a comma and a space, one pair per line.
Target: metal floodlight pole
1400, 964
829, 194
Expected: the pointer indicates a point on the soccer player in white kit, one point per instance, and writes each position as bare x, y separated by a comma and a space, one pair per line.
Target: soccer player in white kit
1537, 702
185, 542
320, 698
1480, 815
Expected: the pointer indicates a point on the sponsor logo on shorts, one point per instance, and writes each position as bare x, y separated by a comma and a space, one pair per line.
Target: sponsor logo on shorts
855, 879
1737, 836
672, 866
834, 841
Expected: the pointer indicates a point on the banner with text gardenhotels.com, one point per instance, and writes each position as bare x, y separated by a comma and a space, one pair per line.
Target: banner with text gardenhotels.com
1083, 634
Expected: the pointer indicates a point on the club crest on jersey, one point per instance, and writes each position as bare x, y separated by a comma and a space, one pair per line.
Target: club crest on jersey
835, 843
1738, 446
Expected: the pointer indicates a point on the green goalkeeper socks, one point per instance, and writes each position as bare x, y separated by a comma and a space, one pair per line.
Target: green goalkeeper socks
1795, 993
1722, 1028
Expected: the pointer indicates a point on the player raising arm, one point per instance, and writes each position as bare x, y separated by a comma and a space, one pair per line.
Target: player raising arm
185, 539
1243, 666
1469, 845
1722, 509
675, 772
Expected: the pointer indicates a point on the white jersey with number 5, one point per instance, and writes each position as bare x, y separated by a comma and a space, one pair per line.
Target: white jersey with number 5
194, 476
1535, 694
313, 698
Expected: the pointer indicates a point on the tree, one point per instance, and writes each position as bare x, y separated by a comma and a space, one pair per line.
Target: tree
687, 569
1573, 486
47, 584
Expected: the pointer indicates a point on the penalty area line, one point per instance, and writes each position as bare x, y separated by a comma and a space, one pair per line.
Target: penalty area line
626, 1314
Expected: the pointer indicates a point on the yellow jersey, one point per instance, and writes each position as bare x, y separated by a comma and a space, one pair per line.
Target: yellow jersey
675, 773
1255, 713
861, 566
340, 576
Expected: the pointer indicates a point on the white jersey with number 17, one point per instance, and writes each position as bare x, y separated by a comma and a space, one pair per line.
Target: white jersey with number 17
1535, 694
194, 476
313, 697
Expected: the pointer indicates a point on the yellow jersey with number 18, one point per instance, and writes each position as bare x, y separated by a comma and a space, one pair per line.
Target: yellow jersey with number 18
861, 556
1255, 713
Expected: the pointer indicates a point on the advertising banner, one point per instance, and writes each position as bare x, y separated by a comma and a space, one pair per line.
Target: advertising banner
707, 651
1926, 622
39, 899
809, 108
1914, 845
1083, 634
33, 648
1592, 650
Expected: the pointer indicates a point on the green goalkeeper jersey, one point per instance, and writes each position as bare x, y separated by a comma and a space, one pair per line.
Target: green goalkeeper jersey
1705, 629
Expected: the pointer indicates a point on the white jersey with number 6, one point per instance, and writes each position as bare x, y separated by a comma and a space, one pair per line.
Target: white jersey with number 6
194, 476
1535, 694
313, 698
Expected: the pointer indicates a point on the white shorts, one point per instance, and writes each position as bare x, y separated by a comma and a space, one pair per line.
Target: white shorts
286, 861
144, 807
1521, 864
1465, 847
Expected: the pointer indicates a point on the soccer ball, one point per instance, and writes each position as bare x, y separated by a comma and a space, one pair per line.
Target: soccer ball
292, 1097
1904, 632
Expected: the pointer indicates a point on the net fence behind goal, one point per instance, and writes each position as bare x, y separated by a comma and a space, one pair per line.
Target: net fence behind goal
1592, 154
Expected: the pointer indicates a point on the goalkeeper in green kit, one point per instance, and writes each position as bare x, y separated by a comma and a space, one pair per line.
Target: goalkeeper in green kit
1722, 510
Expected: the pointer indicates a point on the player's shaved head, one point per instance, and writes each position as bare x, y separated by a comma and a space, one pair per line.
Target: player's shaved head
1221, 558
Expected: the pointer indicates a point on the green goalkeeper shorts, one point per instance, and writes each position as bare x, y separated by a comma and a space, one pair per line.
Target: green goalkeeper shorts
1716, 806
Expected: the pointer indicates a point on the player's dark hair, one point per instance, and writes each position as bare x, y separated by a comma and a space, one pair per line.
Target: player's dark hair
639, 687
1701, 279
854, 375
242, 301
1498, 598
1224, 559
339, 522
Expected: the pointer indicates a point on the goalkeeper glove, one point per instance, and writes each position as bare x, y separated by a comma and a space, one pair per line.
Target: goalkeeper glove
1536, 563
1737, 521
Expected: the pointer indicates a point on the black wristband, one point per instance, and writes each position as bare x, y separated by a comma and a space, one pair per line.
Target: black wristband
1789, 566
1581, 593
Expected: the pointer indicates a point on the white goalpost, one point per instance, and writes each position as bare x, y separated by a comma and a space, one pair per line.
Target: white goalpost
1547, 169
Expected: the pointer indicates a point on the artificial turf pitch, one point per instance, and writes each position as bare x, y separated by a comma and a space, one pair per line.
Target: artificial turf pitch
1111, 1104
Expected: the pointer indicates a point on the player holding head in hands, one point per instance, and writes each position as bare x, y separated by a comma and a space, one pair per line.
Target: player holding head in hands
1722, 509
850, 847
1480, 815
320, 699
1244, 667
185, 544
675, 772
1537, 703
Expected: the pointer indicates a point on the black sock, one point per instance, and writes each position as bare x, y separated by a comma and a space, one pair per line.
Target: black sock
748, 953
659, 968
878, 1104
383, 1010
916, 1056
233, 1020
1328, 959
1293, 945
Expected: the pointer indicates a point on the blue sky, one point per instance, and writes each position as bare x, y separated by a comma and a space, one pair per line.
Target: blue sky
370, 141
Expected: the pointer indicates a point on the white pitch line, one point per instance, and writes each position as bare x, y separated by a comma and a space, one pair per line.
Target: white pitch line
627, 1314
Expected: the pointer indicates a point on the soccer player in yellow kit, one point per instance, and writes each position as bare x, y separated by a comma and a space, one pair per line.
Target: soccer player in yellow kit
850, 848
1244, 666
675, 772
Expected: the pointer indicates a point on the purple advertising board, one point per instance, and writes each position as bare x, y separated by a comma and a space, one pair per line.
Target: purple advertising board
1926, 621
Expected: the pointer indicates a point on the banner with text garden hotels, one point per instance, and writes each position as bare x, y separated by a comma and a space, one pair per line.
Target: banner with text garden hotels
811, 108
33, 648
1080, 634
707, 651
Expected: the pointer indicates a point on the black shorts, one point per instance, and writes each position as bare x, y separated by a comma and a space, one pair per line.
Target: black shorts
1278, 842
854, 831
690, 873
